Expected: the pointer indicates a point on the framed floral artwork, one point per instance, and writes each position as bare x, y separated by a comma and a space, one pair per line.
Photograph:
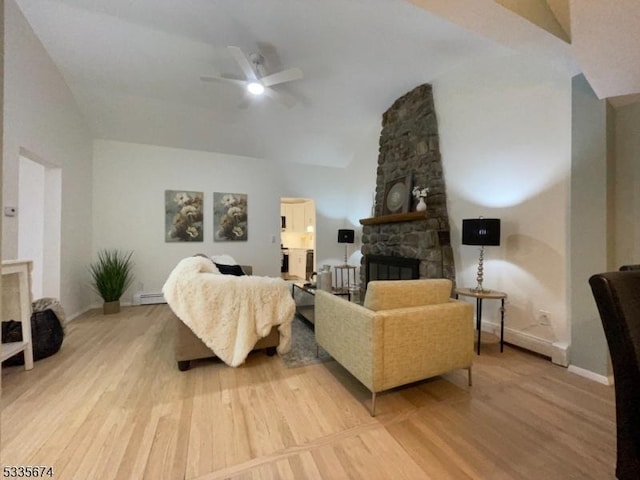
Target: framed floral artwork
229, 217
183, 216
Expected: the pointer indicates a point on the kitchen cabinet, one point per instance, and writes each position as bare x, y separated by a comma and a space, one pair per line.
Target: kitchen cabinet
297, 262
309, 214
286, 210
296, 217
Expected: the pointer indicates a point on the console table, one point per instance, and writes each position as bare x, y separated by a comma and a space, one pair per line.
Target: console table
16, 305
485, 295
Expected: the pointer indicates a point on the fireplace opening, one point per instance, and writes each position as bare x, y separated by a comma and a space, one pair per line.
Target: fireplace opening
384, 267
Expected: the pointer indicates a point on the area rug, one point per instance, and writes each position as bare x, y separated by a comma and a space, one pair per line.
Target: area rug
303, 346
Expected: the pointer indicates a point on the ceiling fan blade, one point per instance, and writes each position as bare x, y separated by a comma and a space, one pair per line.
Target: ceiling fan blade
244, 64
288, 75
233, 77
284, 98
208, 78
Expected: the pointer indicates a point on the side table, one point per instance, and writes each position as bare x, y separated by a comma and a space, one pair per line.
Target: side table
485, 295
341, 272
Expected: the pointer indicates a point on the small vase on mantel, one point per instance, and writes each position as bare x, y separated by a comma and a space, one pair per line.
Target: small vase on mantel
421, 206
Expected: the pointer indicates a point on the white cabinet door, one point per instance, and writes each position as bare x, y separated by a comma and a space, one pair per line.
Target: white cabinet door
297, 262
309, 215
286, 211
293, 262
298, 218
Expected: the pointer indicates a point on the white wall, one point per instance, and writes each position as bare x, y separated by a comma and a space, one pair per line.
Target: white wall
30, 204
589, 220
505, 140
362, 174
329, 188
42, 122
627, 185
128, 205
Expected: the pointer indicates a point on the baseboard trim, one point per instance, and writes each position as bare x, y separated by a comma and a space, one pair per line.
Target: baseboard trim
75, 315
558, 352
596, 377
93, 306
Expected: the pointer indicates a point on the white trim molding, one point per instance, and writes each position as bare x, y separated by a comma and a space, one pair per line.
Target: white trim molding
596, 377
558, 352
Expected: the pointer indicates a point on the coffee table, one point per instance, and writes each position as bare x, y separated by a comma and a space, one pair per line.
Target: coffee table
306, 310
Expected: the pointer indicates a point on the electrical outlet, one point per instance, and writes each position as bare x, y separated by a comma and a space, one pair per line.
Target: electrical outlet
544, 317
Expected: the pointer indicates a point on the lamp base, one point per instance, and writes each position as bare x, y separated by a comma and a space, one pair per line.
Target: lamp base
479, 289
479, 275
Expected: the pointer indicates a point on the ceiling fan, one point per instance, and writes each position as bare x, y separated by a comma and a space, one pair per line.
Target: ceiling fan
256, 81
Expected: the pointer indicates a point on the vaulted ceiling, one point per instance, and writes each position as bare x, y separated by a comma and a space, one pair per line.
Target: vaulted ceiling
598, 38
134, 66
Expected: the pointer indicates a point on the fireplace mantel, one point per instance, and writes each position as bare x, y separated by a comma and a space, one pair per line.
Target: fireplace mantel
394, 218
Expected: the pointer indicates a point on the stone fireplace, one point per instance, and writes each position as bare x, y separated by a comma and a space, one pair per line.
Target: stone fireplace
409, 146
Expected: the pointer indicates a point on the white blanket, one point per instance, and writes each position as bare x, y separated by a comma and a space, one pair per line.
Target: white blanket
228, 313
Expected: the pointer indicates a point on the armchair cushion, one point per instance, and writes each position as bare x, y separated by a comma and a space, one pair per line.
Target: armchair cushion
389, 294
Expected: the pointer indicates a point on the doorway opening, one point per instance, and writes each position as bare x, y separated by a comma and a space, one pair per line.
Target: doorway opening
39, 223
297, 238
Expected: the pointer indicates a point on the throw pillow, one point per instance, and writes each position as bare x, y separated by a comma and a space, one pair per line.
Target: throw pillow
224, 259
230, 269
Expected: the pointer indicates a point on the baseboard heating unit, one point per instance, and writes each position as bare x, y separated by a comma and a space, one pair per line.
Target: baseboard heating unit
148, 298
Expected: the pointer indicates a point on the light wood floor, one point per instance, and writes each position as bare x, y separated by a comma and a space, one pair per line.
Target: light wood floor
112, 405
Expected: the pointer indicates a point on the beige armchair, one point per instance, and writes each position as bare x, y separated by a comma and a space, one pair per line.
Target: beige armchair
407, 330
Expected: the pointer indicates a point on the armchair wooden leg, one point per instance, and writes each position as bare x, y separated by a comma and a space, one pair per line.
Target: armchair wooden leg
183, 365
373, 404
470, 379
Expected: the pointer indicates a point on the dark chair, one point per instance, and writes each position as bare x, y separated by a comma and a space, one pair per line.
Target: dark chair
624, 268
617, 295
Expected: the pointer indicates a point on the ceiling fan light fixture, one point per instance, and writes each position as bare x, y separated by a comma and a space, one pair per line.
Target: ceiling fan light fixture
256, 80
255, 88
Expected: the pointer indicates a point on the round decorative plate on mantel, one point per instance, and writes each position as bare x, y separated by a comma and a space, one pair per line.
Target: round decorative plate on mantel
396, 197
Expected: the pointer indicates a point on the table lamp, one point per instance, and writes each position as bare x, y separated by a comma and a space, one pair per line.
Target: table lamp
482, 232
346, 236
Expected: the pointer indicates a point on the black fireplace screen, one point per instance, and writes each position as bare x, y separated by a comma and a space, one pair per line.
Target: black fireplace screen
383, 267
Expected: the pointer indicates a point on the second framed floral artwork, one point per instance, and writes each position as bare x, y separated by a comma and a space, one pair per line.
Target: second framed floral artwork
229, 217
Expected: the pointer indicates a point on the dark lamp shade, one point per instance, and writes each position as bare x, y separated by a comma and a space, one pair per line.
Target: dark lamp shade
346, 236
481, 231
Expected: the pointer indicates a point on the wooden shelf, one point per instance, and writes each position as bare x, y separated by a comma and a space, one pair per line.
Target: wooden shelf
8, 350
394, 218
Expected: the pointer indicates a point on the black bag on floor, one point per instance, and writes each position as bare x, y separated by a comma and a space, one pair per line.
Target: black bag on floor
46, 333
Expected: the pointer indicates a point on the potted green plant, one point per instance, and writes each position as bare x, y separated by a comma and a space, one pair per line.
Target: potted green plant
111, 276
